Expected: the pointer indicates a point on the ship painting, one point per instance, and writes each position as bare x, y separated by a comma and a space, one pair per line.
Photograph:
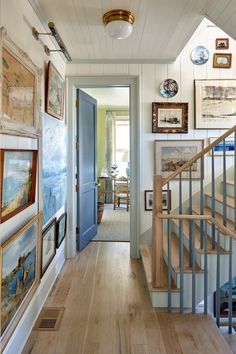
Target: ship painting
18, 259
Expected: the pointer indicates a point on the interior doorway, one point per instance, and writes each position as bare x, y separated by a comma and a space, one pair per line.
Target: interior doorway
113, 162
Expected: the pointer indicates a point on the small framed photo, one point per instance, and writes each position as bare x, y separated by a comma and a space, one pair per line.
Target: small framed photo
222, 43
169, 117
222, 60
148, 199
54, 92
172, 154
61, 229
48, 245
219, 148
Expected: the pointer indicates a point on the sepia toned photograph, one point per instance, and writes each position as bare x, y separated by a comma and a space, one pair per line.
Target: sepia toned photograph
215, 104
171, 155
169, 117
222, 43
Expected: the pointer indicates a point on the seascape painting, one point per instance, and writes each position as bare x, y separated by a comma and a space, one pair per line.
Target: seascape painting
54, 166
18, 260
18, 90
215, 104
169, 117
55, 92
18, 181
219, 148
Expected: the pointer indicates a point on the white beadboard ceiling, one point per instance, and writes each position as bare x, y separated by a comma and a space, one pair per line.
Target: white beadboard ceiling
160, 32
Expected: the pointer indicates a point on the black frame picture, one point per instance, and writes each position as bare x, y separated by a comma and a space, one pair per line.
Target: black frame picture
49, 247
61, 229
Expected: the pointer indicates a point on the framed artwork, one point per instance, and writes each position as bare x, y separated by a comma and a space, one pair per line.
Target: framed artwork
148, 199
17, 181
219, 148
222, 43
48, 245
224, 299
172, 154
61, 229
20, 95
19, 271
215, 103
54, 92
169, 117
54, 166
222, 60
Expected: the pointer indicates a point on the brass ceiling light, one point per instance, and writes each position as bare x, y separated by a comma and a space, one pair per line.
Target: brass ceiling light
119, 23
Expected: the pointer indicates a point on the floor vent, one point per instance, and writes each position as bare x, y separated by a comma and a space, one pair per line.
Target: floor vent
49, 319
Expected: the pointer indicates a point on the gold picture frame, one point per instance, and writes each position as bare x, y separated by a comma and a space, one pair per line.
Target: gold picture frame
222, 60
20, 95
23, 270
222, 43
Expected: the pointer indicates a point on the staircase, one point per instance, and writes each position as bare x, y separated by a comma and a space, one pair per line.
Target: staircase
193, 252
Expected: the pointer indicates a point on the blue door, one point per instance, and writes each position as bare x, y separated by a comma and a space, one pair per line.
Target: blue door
86, 169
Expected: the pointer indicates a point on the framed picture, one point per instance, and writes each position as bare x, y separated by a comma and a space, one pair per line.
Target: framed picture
17, 181
222, 60
224, 300
215, 103
19, 271
20, 94
222, 43
169, 117
148, 199
54, 166
48, 245
219, 148
61, 229
54, 92
172, 154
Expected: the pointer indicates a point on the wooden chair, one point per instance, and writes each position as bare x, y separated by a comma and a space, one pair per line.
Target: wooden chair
121, 193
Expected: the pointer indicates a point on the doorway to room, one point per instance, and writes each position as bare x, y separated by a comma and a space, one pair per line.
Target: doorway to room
113, 162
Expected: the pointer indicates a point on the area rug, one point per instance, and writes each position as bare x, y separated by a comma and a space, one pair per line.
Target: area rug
114, 225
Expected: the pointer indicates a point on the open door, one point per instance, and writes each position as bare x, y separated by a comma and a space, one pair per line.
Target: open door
86, 169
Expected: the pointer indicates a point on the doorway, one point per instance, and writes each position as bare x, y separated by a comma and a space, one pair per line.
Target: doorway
113, 162
73, 83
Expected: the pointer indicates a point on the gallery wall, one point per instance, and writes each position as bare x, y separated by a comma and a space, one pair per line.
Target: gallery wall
151, 76
18, 17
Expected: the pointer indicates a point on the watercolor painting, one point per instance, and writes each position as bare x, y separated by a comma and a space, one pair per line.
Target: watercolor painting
18, 181
54, 166
219, 148
55, 92
18, 261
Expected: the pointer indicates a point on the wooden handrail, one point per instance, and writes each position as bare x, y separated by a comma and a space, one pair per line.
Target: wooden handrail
198, 156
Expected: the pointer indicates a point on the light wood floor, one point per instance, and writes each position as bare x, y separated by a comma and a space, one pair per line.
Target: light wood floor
108, 311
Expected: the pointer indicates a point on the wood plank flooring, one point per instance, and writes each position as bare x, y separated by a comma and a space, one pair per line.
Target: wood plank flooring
108, 311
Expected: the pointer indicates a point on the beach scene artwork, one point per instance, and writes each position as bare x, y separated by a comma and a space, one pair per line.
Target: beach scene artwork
18, 182
173, 157
18, 274
54, 166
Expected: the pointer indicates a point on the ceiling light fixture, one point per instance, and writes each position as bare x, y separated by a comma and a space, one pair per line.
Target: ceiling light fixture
118, 23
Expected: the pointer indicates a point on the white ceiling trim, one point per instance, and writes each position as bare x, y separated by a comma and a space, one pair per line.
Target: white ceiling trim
122, 61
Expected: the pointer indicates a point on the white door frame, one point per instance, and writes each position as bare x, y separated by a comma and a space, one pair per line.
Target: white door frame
72, 84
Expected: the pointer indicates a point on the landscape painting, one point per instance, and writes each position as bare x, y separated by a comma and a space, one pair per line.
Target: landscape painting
219, 148
171, 155
18, 175
54, 166
55, 92
18, 270
215, 104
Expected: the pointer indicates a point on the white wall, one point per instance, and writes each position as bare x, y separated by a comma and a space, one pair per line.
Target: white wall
151, 76
18, 17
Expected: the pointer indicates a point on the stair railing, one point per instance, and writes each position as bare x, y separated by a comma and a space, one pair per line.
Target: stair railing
203, 219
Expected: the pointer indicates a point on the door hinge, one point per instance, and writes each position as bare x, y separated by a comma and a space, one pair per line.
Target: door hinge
77, 146
77, 103
77, 230
77, 188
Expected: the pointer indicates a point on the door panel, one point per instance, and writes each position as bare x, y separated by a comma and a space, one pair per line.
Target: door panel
86, 169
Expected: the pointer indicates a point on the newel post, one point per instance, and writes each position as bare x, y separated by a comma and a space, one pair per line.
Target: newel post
157, 234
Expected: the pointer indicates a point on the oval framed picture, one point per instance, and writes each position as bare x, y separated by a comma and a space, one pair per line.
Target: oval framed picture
200, 55
169, 88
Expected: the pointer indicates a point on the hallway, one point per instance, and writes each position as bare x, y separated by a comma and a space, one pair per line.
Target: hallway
107, 311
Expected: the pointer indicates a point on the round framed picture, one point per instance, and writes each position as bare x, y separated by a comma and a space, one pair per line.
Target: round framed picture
200, 55
169, 88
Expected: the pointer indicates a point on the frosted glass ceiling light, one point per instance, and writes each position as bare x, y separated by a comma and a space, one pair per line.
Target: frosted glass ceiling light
119, 23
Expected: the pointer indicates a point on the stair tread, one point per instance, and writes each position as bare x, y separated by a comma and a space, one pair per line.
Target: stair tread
218, 217
146, 252
175, 255
219, 198
229, 181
